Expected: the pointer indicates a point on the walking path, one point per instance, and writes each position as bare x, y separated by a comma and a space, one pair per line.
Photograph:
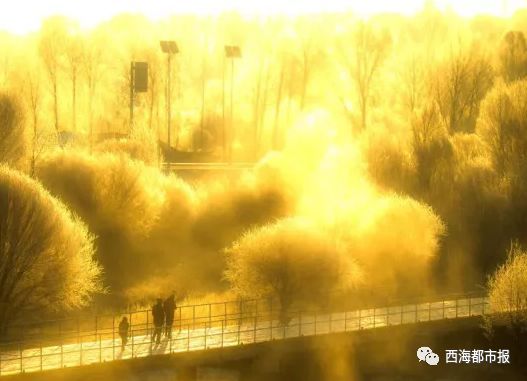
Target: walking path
221, 334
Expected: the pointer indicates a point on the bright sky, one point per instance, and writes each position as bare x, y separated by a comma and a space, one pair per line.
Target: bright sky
22, 16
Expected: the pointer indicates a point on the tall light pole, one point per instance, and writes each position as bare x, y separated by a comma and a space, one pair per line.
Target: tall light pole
232, 52
170, 48
138, 84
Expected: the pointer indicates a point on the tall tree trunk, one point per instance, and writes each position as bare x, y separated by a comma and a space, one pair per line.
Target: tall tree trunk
231, 121
305, 79
256, 115
90, 118
151, 106
34, 143
202, 119
74, 101
55, 106
223, 127
264, 100
277, 107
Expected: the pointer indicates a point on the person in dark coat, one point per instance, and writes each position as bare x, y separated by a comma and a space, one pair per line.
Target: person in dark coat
158, 314
169, 305
123, 332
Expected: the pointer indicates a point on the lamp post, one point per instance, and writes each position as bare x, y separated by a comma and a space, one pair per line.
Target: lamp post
138, 84
170, 48
231, 52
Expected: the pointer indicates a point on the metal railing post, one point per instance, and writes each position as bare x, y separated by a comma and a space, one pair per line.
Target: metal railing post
188, 337
113, 338
271, 310
205, 331
222, 325
193, 317
41, 356
100, 348
299, 323
239, 328
225, 312
241, 312
429, 310
256, 314
133, 335
254, 332
360, 319
210, 315
61, 353
96, 327
20, 354
147, 323
271, 327
80, 352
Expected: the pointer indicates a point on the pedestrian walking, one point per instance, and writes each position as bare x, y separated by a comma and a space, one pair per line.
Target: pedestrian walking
158, 314
123, 332
169, 306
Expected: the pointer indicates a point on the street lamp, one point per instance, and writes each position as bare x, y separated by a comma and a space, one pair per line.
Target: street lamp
231, 52
170, 48
138, 84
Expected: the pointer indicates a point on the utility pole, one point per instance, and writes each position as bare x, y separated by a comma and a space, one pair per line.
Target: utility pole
231, 52
169, 97
170, 48
138, 84
132, 86
223, 141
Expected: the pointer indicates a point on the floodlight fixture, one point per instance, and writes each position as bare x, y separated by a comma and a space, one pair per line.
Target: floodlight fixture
232, 51
169, 46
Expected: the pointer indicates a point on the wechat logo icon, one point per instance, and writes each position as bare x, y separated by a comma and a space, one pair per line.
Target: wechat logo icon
427, 355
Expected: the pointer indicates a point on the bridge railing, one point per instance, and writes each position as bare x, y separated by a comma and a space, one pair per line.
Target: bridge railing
223, 330
70, 330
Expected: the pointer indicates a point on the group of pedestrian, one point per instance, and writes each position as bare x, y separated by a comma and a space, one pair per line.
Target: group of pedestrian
163, 316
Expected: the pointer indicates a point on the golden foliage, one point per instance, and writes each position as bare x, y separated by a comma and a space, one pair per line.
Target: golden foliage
47, 254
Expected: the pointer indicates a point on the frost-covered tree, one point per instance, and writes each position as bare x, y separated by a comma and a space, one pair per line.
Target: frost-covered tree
46, 254
290, 260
